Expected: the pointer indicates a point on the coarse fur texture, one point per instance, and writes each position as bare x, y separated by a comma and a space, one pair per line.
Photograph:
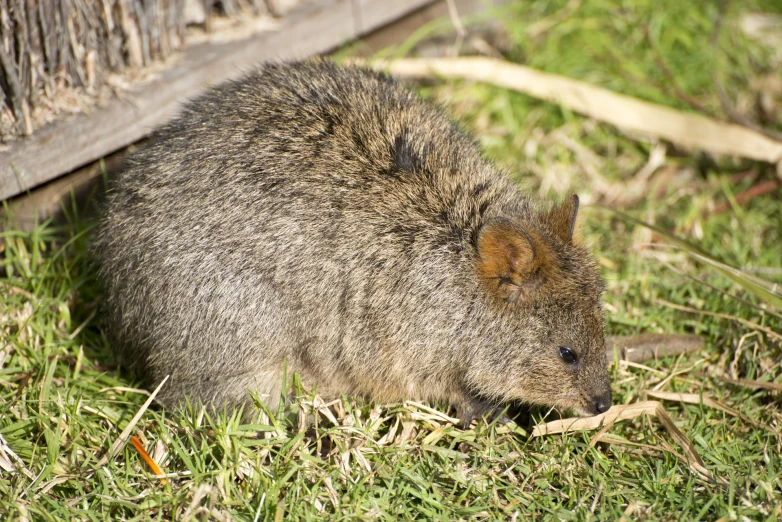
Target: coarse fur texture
324, 217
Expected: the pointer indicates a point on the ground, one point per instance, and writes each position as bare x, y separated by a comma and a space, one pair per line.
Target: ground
63, 402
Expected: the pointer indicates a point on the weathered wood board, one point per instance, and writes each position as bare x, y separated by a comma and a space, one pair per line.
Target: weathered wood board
72, 142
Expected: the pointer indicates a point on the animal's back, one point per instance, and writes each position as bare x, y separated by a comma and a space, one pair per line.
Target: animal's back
307, 213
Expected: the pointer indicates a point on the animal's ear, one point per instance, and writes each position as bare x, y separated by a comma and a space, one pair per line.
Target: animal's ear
508, 259
562, 218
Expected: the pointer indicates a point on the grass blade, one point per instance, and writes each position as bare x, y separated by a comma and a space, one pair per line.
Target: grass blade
766, 291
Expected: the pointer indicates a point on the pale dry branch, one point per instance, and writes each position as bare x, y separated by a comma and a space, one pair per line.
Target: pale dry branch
685, 129
651, 346
618, 413
615, 414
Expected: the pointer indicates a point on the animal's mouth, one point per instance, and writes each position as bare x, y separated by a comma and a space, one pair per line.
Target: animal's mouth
578, 405
584, 412
566, 408
597, 406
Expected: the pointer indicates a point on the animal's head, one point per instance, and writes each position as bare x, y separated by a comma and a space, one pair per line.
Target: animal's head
546, 344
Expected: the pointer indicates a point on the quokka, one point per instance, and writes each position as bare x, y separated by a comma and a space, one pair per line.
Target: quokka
325, 218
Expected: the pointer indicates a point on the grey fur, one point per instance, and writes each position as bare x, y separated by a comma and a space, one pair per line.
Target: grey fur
326, 216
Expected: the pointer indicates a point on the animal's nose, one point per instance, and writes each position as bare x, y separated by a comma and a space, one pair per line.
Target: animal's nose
603, 402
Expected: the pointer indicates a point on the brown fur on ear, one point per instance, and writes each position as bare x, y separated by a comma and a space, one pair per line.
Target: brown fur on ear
562, 218
509, 260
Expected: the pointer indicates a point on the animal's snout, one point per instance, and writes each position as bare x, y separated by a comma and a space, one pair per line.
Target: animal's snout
602, 403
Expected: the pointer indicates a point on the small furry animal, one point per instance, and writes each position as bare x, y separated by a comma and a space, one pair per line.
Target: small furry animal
325, 218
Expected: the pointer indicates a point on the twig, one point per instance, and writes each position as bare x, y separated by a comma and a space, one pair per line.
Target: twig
761, 189
649, 346
433, 412
735, 116
626, 412
626, 112
631, 364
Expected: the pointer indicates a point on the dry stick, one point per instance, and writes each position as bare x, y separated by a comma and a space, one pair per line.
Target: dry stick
688, 130
597, 497
81, 327
457, 24
754, 191
650, 346
123, 437
615, 439
662, 188
626, 412
745, 322
630, 364
615, 414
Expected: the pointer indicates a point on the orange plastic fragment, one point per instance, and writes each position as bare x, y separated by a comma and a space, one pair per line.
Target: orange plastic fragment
144, 455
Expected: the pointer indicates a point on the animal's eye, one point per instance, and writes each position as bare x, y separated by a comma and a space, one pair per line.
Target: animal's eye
567, 355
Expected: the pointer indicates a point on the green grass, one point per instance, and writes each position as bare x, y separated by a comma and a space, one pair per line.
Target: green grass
63, 402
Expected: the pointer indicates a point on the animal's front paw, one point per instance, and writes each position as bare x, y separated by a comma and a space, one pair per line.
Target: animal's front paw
472, 408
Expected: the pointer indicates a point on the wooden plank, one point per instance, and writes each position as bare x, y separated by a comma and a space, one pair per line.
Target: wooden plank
651, 346
72, 142
371, 14
47, 200
65, 192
